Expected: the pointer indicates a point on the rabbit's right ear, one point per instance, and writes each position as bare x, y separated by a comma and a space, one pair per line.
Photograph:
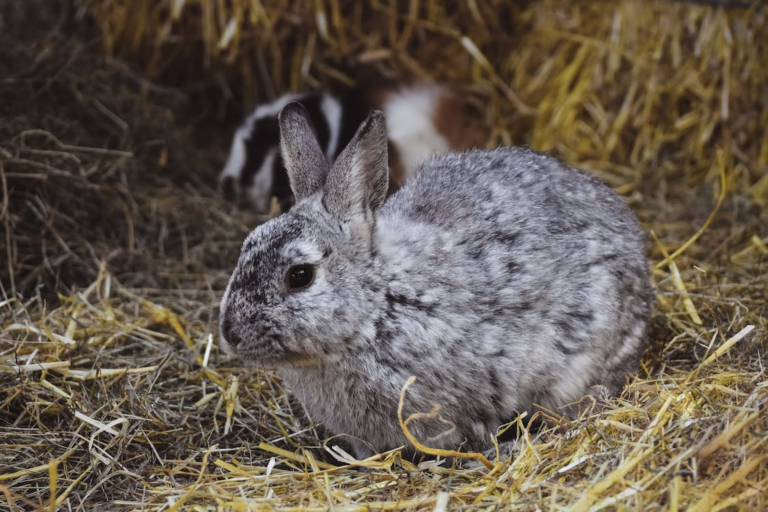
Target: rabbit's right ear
359, 178
303, 158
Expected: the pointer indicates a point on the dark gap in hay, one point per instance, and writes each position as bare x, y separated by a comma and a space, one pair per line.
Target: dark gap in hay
148, 201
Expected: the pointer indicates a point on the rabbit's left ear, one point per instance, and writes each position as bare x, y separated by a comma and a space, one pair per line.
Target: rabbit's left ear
359, 178
304, 160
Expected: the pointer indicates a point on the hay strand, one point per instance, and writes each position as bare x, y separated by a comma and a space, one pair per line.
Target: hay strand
426, 449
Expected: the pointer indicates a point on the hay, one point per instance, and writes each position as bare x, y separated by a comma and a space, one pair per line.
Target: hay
116, 247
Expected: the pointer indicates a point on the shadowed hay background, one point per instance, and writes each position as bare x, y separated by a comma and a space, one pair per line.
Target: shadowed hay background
115, 117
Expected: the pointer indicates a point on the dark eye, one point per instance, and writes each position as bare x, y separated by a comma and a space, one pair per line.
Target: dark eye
300, 276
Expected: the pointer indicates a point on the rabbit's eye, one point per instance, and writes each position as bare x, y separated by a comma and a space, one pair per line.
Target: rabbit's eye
300, 276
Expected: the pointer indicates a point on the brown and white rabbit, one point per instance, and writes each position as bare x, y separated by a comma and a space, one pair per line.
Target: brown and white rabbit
423, 119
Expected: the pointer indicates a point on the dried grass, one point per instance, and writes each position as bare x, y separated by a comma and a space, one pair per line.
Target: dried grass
113, 394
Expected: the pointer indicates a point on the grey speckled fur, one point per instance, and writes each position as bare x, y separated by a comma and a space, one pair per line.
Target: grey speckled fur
500, 279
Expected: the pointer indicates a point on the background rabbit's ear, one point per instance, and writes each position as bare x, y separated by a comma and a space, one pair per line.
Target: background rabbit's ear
303, 158
360, 177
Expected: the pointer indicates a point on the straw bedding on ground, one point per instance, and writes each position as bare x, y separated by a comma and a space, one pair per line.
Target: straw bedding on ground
114, 120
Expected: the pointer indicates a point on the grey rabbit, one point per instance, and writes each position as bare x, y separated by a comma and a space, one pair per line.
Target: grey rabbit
499, 278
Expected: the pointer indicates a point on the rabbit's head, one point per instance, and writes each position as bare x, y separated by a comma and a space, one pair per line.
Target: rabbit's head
304, 288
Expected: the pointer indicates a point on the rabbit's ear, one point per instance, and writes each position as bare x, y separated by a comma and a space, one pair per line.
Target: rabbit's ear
359, 178
303, 158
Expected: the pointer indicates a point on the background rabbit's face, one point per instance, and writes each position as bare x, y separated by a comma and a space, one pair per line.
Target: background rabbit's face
254, 172
301, 292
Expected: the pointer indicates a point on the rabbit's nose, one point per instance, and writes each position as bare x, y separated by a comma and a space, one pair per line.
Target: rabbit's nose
228, 333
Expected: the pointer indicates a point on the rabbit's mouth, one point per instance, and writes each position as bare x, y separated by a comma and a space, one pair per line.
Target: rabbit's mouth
298, 362
286, 360
264, 346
